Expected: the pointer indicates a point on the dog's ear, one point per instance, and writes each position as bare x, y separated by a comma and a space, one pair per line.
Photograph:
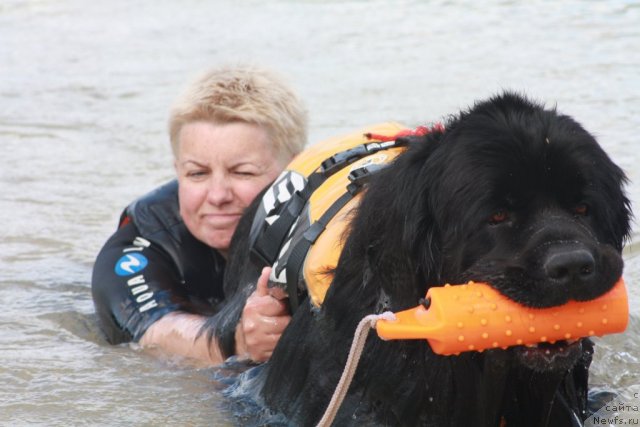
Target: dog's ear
421, 231
423, 237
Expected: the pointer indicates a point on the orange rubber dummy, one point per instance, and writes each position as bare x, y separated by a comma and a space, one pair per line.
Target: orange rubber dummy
476, 317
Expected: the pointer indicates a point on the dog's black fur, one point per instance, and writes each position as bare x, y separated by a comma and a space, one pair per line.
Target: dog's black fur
510, 193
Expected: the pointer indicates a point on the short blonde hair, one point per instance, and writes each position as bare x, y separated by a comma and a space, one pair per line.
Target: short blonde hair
243, 94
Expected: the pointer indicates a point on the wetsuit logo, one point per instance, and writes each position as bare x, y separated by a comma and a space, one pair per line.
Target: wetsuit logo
130, 264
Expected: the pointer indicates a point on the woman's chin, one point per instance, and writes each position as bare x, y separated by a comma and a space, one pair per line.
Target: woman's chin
217, 239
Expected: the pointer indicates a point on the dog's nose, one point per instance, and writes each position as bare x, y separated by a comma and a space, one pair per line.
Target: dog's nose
569, 265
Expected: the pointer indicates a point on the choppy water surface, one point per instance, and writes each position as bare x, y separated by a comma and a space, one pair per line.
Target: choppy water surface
84, 94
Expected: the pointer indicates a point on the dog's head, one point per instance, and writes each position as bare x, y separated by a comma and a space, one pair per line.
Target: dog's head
525, 199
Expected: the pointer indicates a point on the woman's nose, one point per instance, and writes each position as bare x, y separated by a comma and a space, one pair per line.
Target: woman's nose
219, 191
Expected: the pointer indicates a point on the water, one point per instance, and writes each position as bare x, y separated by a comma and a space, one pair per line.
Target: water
84, 95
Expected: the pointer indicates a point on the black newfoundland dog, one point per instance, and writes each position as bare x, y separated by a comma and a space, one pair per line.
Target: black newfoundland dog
508, 193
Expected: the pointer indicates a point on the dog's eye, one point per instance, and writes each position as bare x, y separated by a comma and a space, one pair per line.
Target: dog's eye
498, 216
581, 209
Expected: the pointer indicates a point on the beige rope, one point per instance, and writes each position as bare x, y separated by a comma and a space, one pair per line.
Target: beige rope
359, 339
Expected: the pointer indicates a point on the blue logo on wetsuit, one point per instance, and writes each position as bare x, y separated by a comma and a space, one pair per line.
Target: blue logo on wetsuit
130, 264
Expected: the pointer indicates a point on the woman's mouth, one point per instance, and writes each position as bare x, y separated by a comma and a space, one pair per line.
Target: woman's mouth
221, 220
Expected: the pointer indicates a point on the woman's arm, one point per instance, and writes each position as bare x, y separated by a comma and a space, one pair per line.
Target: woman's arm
176, 334
263, 320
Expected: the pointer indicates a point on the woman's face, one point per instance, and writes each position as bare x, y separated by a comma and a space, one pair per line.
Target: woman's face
221, 168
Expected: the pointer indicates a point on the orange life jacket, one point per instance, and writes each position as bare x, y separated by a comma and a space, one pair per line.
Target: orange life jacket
300, 226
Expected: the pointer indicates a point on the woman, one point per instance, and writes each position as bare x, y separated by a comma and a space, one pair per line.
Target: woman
159, 277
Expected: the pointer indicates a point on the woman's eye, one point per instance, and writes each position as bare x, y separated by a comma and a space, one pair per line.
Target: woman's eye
581, 209
498, 216
196, 174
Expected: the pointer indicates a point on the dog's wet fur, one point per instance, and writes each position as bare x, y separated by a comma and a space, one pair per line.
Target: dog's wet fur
509, 193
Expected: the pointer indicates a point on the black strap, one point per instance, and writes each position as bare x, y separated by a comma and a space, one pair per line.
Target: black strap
358, 177
299, 251
267, 247
346, 157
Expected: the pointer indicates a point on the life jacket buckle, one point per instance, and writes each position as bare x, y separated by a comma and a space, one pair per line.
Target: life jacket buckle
362, 175
336, 162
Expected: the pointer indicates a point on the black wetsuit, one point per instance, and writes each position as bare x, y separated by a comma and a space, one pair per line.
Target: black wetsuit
153, 265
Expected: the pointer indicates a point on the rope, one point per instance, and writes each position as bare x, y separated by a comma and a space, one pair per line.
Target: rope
355, 353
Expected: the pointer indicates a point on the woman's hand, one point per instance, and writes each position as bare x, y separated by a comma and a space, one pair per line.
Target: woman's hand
263, 320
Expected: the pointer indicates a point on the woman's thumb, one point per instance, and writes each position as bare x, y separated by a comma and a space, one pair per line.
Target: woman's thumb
261, 287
